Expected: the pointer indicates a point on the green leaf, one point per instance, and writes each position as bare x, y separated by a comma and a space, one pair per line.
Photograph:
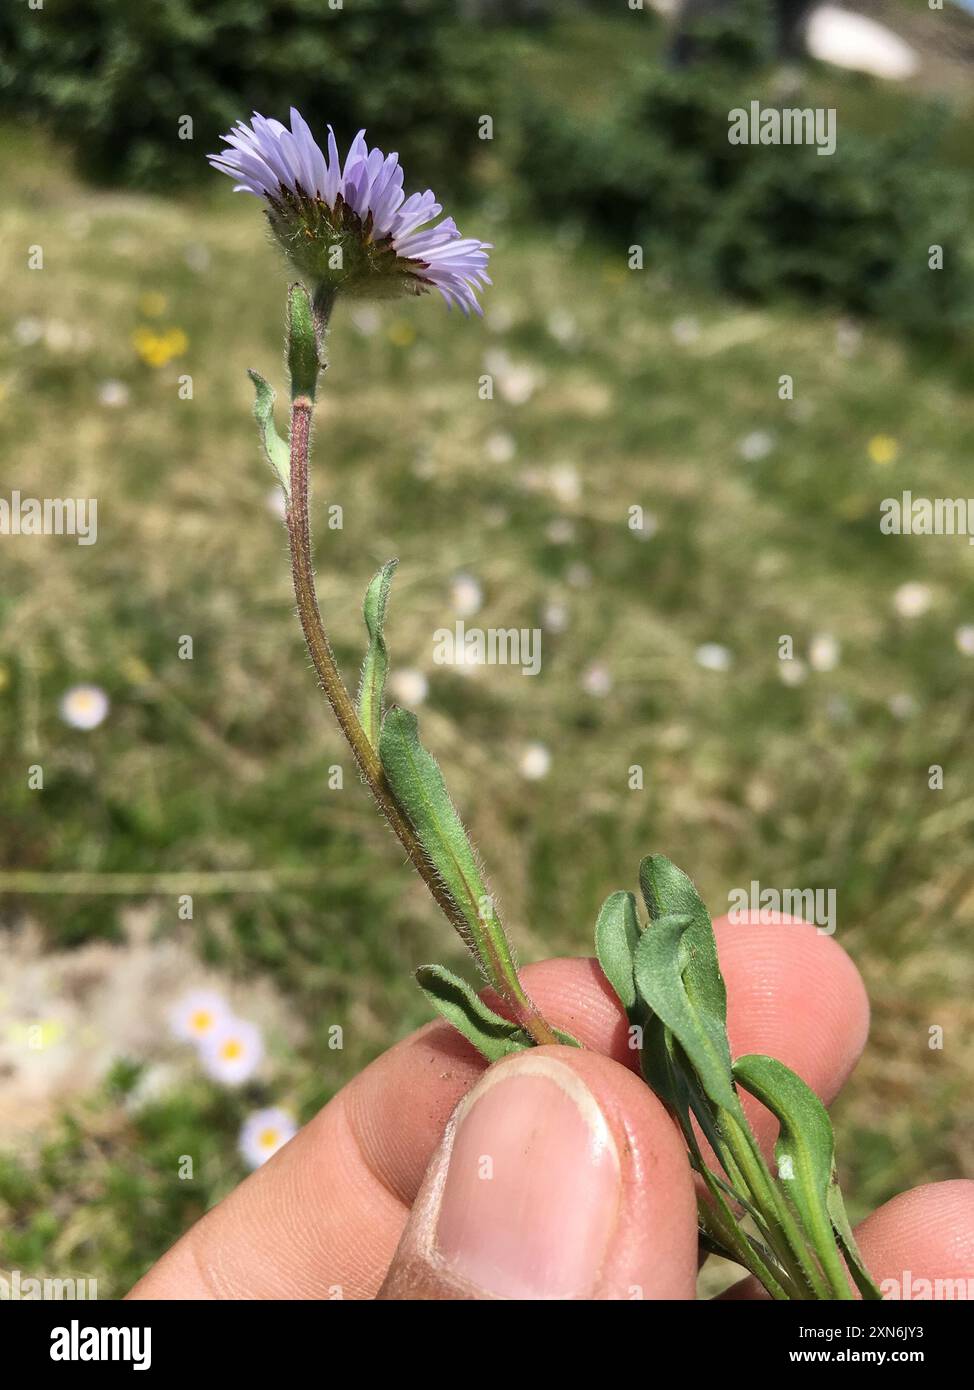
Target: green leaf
667, 889
493, 1036
690, 981
688, 999
372, 684
847, 1242
302, 343
275, 448
419, 788
805, 1152
616, 939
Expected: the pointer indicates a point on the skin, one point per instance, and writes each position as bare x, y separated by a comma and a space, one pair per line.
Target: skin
331, 1211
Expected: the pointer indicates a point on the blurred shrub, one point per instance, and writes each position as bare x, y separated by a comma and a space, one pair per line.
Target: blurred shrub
654, 166
114, 77
648, 162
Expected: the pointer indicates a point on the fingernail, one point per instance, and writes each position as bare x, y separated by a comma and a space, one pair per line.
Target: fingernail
532, 1187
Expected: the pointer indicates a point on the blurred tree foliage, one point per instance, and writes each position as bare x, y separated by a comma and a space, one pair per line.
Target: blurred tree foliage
855, 228
115, 77
648, 162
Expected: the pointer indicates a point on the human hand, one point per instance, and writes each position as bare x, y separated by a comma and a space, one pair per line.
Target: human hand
559, 1174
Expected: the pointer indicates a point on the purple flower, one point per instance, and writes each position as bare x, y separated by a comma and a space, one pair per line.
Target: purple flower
349, 226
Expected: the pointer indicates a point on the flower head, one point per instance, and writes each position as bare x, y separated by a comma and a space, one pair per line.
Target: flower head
535, 762
263, 1133
824, 652
348, 226
912, 599
197, 1015
714, 657
883, 449
84, 706
964, 638
232, 1052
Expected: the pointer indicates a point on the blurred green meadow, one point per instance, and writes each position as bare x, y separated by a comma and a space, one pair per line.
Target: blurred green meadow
613, 389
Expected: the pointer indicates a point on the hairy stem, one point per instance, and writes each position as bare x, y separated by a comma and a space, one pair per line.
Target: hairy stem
329, 677
787, 1239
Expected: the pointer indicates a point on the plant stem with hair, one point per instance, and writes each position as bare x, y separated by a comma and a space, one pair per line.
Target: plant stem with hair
329, 677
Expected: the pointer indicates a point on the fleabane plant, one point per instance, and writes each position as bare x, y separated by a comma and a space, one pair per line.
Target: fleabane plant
347, 229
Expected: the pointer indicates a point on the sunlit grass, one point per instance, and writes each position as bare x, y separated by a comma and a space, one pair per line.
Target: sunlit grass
612, 390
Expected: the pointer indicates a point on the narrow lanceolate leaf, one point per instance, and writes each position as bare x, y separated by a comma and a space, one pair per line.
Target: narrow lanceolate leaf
491, 1035
616, 939
805, 1153
419, 788
302, 343
686, 1002
275, 449
372, 684
847, 1243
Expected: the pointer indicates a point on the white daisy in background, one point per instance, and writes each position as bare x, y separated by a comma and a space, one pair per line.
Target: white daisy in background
516, 381
902, 705
534, 762
713, 657
466, 595
578, 575
912, 600
198, 1014
28, 331
793, 672
113, 394
58, 336
964, 638
366, 318
408, 687
560, 531
824, 652
232, 1052
315, 203
554, 616
562, 327
277, 503
756, 445
565, 484
685, 331
84, 706
500, 447
597, 681
263, 1133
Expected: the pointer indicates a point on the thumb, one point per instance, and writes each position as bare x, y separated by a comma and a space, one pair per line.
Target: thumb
559, 1176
